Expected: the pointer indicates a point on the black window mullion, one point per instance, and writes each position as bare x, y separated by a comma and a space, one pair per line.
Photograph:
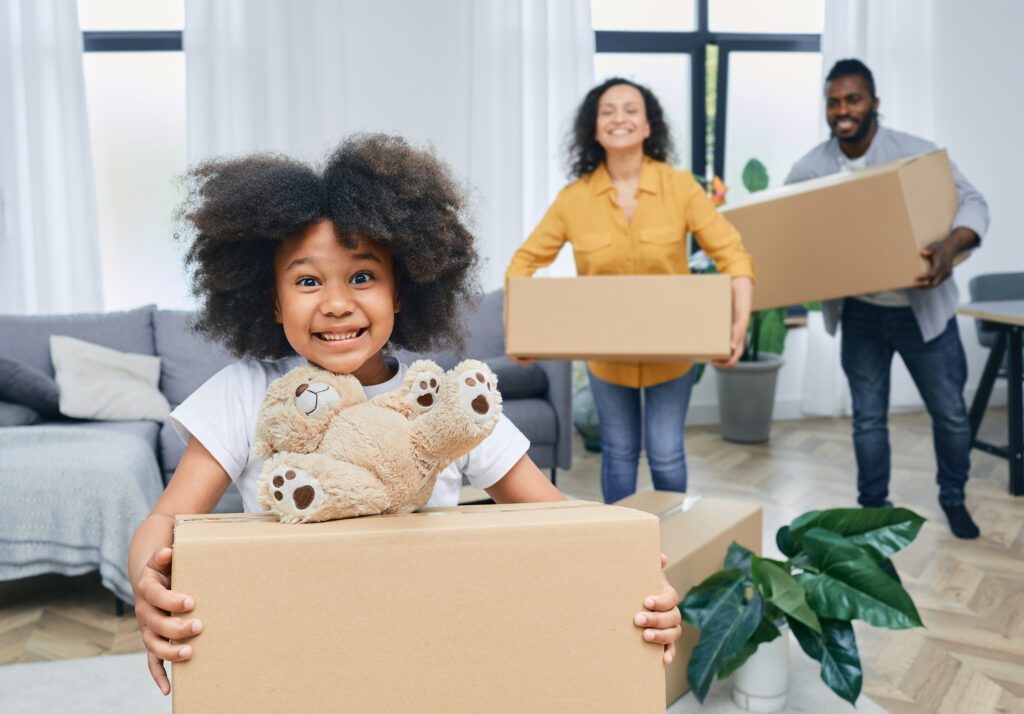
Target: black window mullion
132, 41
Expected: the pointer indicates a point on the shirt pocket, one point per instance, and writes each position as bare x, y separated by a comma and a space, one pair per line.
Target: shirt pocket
592, 242
664, 250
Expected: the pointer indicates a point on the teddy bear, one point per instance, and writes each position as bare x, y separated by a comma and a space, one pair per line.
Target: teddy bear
329, 453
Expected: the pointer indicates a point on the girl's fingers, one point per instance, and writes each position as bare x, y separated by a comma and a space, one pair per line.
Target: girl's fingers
663, 637
658, 620
670, 653
164, 650
159, 674
160, 561
173, 628
157, 595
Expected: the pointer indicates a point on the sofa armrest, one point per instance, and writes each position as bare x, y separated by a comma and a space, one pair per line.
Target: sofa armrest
559, 373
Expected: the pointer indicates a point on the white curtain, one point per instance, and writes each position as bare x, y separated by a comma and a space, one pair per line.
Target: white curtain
49, 236
490, 84
895, 40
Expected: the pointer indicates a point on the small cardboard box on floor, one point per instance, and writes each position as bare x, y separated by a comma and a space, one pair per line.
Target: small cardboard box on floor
649, 318
695, 535
846, 234
522, 608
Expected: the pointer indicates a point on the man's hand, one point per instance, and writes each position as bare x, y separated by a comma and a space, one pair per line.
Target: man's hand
661, 618
942, 255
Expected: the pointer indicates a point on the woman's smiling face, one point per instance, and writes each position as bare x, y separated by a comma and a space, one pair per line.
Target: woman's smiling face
621, 119
337, 305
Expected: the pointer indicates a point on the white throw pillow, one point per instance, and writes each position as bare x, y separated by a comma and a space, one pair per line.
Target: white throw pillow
100, 383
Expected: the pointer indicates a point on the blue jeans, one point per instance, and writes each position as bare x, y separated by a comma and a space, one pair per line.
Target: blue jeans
664, 417
870, 336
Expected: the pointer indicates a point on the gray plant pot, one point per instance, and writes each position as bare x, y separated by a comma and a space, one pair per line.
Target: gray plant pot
746, 398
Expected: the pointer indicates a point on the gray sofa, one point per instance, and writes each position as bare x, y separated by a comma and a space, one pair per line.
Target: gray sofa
55, 517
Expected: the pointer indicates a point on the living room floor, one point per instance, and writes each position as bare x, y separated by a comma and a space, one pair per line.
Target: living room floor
970, 594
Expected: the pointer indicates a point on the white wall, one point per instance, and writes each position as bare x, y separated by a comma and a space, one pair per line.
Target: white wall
978, 72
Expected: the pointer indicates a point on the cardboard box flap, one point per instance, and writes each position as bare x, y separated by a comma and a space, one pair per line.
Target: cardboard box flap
480, 517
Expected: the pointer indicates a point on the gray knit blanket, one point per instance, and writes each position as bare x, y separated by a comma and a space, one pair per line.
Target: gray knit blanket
71, 501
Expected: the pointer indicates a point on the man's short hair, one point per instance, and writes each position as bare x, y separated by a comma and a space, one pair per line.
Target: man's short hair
851, 68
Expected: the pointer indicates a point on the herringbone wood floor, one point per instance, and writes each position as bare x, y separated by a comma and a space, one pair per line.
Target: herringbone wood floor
969, 658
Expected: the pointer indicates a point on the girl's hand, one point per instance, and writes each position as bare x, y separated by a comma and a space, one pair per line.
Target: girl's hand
661, 618
156, 608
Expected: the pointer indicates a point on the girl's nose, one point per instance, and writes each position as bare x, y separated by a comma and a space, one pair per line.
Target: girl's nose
337, 301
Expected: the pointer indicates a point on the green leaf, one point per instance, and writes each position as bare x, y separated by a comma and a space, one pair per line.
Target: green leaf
836, 648
784, 539
720, 639
883, 531
721, 590
755, 176
765, 632
738, 557
850, 585
783, 591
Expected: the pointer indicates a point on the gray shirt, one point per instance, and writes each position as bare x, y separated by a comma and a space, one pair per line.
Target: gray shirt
932, 306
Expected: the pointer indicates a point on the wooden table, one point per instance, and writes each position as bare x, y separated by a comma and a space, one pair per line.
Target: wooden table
1007, 316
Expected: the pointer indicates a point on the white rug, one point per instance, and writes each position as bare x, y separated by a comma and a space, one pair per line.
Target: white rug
120, 684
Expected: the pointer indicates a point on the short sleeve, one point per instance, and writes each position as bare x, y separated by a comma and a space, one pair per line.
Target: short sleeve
495, 456
221, 415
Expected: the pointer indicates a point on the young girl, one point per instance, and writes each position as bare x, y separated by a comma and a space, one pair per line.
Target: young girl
292, 264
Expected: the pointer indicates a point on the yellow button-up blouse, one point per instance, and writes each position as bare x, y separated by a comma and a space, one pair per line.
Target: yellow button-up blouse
670, 204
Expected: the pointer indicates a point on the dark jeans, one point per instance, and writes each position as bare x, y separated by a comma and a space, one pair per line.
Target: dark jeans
664, 417
870, 336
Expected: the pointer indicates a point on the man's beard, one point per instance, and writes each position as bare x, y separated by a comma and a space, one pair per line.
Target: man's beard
863, 127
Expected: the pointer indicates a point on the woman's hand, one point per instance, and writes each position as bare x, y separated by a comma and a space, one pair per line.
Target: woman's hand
661, 618
742, 299
523, 361
157, 610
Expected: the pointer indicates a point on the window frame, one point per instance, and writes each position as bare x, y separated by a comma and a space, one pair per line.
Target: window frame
695, 43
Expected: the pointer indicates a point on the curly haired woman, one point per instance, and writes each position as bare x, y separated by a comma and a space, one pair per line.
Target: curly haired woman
628, 213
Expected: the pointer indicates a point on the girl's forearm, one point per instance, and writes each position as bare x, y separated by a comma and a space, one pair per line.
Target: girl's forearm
156, 532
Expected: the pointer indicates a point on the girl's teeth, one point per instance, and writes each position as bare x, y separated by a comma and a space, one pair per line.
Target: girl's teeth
338, 338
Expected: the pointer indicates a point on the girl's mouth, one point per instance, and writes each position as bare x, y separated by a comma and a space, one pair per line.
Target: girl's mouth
340, 336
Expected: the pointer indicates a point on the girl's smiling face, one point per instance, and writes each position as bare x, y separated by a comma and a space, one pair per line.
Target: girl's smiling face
337, 305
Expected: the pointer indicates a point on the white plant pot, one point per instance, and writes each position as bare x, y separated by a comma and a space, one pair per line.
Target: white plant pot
762, 683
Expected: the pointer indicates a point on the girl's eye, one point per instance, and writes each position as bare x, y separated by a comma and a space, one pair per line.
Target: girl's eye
361, 277
308, 282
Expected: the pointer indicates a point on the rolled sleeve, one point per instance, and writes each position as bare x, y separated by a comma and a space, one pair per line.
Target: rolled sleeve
495, 456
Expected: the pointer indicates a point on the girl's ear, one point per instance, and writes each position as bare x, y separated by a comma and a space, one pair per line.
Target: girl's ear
398, 303
277, 310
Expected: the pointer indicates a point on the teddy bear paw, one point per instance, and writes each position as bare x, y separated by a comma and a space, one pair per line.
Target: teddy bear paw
297, 494
424, 391
477, 393
314, 399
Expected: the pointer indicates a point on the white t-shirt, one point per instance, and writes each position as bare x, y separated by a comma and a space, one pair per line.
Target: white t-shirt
885, 298
222, 413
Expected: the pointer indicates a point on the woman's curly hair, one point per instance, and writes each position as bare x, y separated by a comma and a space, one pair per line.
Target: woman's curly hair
585, 154
372, 186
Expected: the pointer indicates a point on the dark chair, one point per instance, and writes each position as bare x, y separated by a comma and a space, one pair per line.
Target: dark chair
994, 286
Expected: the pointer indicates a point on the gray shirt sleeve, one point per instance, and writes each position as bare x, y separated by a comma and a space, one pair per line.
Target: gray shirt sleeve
971, 210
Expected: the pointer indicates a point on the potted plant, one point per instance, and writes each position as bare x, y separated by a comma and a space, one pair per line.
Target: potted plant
746, 392
837, 570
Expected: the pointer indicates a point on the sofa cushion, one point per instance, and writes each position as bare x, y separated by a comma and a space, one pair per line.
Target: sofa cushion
17, 415
100, 383
25, 385
187, 358
26, 338
516, 381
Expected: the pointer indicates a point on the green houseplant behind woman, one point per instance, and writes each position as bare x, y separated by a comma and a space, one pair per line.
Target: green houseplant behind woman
628, 212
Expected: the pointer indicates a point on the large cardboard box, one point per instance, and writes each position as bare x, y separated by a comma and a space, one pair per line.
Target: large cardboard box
650, 318
523, 608
695, 535
846, 234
